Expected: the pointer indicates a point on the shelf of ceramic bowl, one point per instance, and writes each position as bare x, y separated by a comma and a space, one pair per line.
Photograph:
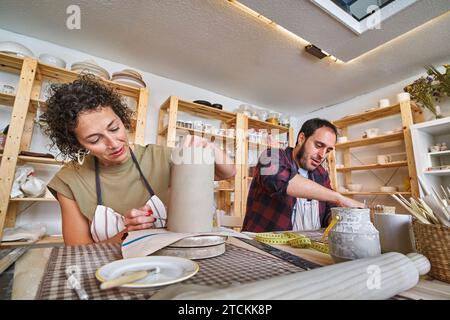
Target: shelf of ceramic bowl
369, 115
15, 48
370, 141
395, 164
443, 172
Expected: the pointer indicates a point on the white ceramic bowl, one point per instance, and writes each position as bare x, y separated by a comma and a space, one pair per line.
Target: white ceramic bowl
388, 189
52, 60
15, 48
354, 187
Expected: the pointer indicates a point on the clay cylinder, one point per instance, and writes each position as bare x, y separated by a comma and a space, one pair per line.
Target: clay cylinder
191, 201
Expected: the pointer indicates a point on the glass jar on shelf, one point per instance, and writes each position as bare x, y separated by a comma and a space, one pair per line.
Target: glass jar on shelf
245, 109
198, 125
273, 118
263, 114
285, 121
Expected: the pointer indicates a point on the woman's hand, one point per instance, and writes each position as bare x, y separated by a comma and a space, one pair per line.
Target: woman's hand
139, 219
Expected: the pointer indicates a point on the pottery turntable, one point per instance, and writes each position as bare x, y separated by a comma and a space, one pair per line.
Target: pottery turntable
194, 248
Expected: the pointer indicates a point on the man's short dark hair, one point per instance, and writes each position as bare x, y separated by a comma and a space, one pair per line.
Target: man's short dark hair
309, 127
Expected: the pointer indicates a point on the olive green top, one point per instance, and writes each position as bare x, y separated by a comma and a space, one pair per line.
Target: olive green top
121, 185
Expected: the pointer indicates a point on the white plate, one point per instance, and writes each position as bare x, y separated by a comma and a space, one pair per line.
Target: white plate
172, 270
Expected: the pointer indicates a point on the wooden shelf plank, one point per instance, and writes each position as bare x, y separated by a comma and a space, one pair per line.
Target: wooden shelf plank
374, 166
47, 240
205, 111
439, 153
163, 132
371, 114
445, 172
370, 141
224, 189
40, 160
264, 145
7, 99
259, 124
370, 193
43, 199
10, 63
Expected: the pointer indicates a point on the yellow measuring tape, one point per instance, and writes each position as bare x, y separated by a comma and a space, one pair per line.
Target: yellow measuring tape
293, 239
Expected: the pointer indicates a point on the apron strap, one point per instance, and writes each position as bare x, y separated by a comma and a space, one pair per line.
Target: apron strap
97, 183
97, 179
147, 185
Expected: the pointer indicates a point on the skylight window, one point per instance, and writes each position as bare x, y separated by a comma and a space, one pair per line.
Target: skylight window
362, 15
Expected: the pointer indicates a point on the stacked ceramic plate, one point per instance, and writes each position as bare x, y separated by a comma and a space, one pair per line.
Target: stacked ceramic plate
129, 77
90, 66
15, 48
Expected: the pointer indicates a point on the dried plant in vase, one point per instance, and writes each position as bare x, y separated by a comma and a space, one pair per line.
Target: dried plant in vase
423, 93
441, 81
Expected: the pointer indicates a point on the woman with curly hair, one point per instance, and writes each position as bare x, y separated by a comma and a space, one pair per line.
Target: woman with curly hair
88, 123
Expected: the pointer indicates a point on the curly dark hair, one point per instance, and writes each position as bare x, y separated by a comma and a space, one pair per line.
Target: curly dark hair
68, 100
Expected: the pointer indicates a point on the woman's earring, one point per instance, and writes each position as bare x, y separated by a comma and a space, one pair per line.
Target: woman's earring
81, 154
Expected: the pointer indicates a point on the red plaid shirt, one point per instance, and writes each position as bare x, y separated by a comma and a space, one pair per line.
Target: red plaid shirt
269, 207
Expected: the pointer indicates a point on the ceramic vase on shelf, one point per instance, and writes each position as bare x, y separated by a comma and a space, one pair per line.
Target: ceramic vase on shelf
353, 236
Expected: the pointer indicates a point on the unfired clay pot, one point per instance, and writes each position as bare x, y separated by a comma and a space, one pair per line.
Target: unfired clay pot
353, 236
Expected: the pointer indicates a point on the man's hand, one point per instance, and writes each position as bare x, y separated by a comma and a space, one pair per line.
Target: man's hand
138, 219
343, 201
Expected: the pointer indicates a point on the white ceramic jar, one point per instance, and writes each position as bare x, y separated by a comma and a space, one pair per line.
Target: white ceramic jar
353, 236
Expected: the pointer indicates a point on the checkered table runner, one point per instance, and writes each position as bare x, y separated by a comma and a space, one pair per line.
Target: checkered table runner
236, 266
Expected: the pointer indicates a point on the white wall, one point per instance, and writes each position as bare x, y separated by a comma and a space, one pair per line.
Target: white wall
160, 89
371, 180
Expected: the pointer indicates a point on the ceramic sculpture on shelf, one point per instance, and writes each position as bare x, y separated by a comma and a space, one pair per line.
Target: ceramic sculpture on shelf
353, 236
380, 277
191, 199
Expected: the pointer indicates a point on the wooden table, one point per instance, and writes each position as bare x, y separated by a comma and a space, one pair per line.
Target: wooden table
30, 268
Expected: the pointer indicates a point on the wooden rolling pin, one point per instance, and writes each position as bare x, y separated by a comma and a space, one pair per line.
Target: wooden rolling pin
380, 277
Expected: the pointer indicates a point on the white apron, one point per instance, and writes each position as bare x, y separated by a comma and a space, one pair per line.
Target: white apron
107, 223
305, 215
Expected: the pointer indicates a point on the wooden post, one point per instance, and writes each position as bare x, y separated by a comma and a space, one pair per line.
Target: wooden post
407, 121
240, 185
161, 135
332, 167
29, 121
291, 137
10, 221
139, 134
12, 146
172, 124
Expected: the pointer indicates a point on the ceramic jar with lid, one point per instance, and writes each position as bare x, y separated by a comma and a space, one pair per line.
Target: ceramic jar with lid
353, 236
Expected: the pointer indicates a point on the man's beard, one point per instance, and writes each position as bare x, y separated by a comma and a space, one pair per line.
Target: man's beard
299, 157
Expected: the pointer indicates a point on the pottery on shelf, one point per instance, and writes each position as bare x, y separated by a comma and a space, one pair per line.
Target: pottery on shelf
353, 236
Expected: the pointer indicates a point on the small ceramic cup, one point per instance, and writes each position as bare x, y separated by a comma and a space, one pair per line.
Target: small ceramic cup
383, 158
383, 103
402, 97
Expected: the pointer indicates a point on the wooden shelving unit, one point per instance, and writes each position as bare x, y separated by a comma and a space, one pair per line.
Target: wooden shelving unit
168, 131
409, 114
25, 104
374, 166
